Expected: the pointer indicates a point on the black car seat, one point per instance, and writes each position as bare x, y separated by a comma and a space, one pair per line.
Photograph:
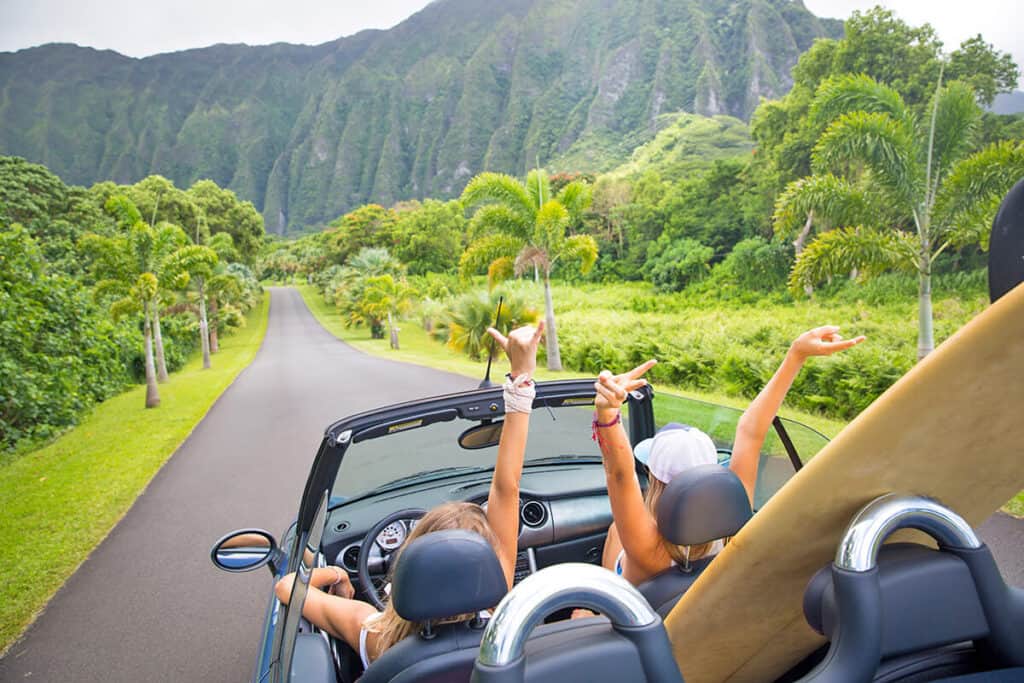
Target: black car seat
440, 575
628, 643
906, 612
699, 505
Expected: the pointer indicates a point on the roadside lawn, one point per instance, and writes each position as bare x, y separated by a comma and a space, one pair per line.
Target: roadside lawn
60, 501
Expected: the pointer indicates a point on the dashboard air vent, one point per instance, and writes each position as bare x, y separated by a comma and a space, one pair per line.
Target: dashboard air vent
350, 558
533, 514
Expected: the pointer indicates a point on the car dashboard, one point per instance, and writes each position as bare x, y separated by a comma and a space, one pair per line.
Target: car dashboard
564, 516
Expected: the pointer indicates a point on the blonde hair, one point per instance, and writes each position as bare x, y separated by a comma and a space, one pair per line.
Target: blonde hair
681, 554
389, 626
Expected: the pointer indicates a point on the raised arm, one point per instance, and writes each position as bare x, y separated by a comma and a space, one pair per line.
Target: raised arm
637, 530
753, 426
503, 499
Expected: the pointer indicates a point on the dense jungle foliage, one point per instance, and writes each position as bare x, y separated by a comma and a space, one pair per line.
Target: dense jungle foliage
705, 236
74, 264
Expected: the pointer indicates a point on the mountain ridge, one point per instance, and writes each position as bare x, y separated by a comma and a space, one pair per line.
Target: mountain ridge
307, 132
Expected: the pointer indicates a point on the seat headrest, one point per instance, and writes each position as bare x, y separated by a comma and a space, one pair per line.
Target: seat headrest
446, 573
702, 504
929, 599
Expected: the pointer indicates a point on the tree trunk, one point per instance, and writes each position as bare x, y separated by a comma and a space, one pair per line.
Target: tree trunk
161, 366
925, 333
393, 331
551, 334
801, 240
152, 393
536, 273
214, 341
204, 327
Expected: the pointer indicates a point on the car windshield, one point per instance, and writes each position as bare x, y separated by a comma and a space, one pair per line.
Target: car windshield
557, 434
719, 422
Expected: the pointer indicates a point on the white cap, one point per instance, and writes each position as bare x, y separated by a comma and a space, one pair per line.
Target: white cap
674, 449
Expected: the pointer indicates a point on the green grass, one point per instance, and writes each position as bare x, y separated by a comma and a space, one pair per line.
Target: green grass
60, 501
419, 348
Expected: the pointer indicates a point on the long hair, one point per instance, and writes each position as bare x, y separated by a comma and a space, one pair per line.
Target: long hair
389, 626
682, 554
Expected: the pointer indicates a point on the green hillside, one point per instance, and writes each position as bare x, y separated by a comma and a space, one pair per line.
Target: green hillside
307, 133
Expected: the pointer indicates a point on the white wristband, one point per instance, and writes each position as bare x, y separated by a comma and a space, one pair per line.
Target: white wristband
519, 394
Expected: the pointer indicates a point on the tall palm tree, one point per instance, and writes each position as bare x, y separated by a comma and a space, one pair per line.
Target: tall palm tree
126, 268
896, 188
524, 222
194, 264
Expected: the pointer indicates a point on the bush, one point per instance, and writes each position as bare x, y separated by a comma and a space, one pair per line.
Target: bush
59, 353
672, 266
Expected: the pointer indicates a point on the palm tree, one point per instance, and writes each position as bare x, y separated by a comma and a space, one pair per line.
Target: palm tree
194, 263
524, 222
385, 297
897, 189
125, 267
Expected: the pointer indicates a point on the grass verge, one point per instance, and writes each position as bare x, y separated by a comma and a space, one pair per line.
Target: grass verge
417, 347
60, 502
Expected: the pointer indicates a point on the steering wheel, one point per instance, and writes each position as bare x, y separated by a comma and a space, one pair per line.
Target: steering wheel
369, 590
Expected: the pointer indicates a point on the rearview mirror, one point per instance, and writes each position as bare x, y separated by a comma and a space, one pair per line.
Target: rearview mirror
244, 550
481, 436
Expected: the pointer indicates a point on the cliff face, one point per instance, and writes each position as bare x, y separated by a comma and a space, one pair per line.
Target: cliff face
463, 86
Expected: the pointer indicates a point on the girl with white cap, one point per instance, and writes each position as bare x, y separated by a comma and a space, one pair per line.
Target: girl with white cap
634, 548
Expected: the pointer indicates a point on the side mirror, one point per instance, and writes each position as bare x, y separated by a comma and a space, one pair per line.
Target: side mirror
245, 550
481, 436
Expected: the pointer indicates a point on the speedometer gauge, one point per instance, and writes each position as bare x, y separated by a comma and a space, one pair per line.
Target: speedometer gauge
392, 536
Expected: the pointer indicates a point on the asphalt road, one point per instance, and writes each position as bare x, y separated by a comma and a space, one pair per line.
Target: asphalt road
148, 604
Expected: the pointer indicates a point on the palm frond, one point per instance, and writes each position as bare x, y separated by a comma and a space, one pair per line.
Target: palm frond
970, 194
483, 251
956, 117
532, 257
499, 188
869, 251
579, 248
576, 198
879, 142
835, 200
549, 230
498, 218
840, 95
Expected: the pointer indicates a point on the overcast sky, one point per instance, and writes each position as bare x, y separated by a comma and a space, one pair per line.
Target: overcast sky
144, 27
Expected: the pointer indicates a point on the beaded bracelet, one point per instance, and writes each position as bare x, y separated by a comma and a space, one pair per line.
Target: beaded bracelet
595, 425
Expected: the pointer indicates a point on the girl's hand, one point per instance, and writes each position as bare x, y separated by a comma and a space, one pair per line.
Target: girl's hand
521, 347
612, 390
822, 341
344, 587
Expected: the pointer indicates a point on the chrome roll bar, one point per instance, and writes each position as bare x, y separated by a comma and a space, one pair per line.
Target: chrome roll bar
565, 585
858, 551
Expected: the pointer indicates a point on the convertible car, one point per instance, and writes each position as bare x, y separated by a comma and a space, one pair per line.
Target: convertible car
377, 472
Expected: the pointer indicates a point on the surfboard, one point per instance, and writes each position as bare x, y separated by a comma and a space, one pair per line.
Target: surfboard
952, 428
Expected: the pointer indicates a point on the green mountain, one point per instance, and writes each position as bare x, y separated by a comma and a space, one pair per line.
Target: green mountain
676, 145
463, 86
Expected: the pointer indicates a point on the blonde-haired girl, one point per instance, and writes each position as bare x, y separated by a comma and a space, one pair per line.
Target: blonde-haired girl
358, 623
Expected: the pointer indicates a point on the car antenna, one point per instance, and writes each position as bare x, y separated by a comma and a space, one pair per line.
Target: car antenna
487, 383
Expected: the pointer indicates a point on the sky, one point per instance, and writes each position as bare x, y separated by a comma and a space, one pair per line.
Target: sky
144, 27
